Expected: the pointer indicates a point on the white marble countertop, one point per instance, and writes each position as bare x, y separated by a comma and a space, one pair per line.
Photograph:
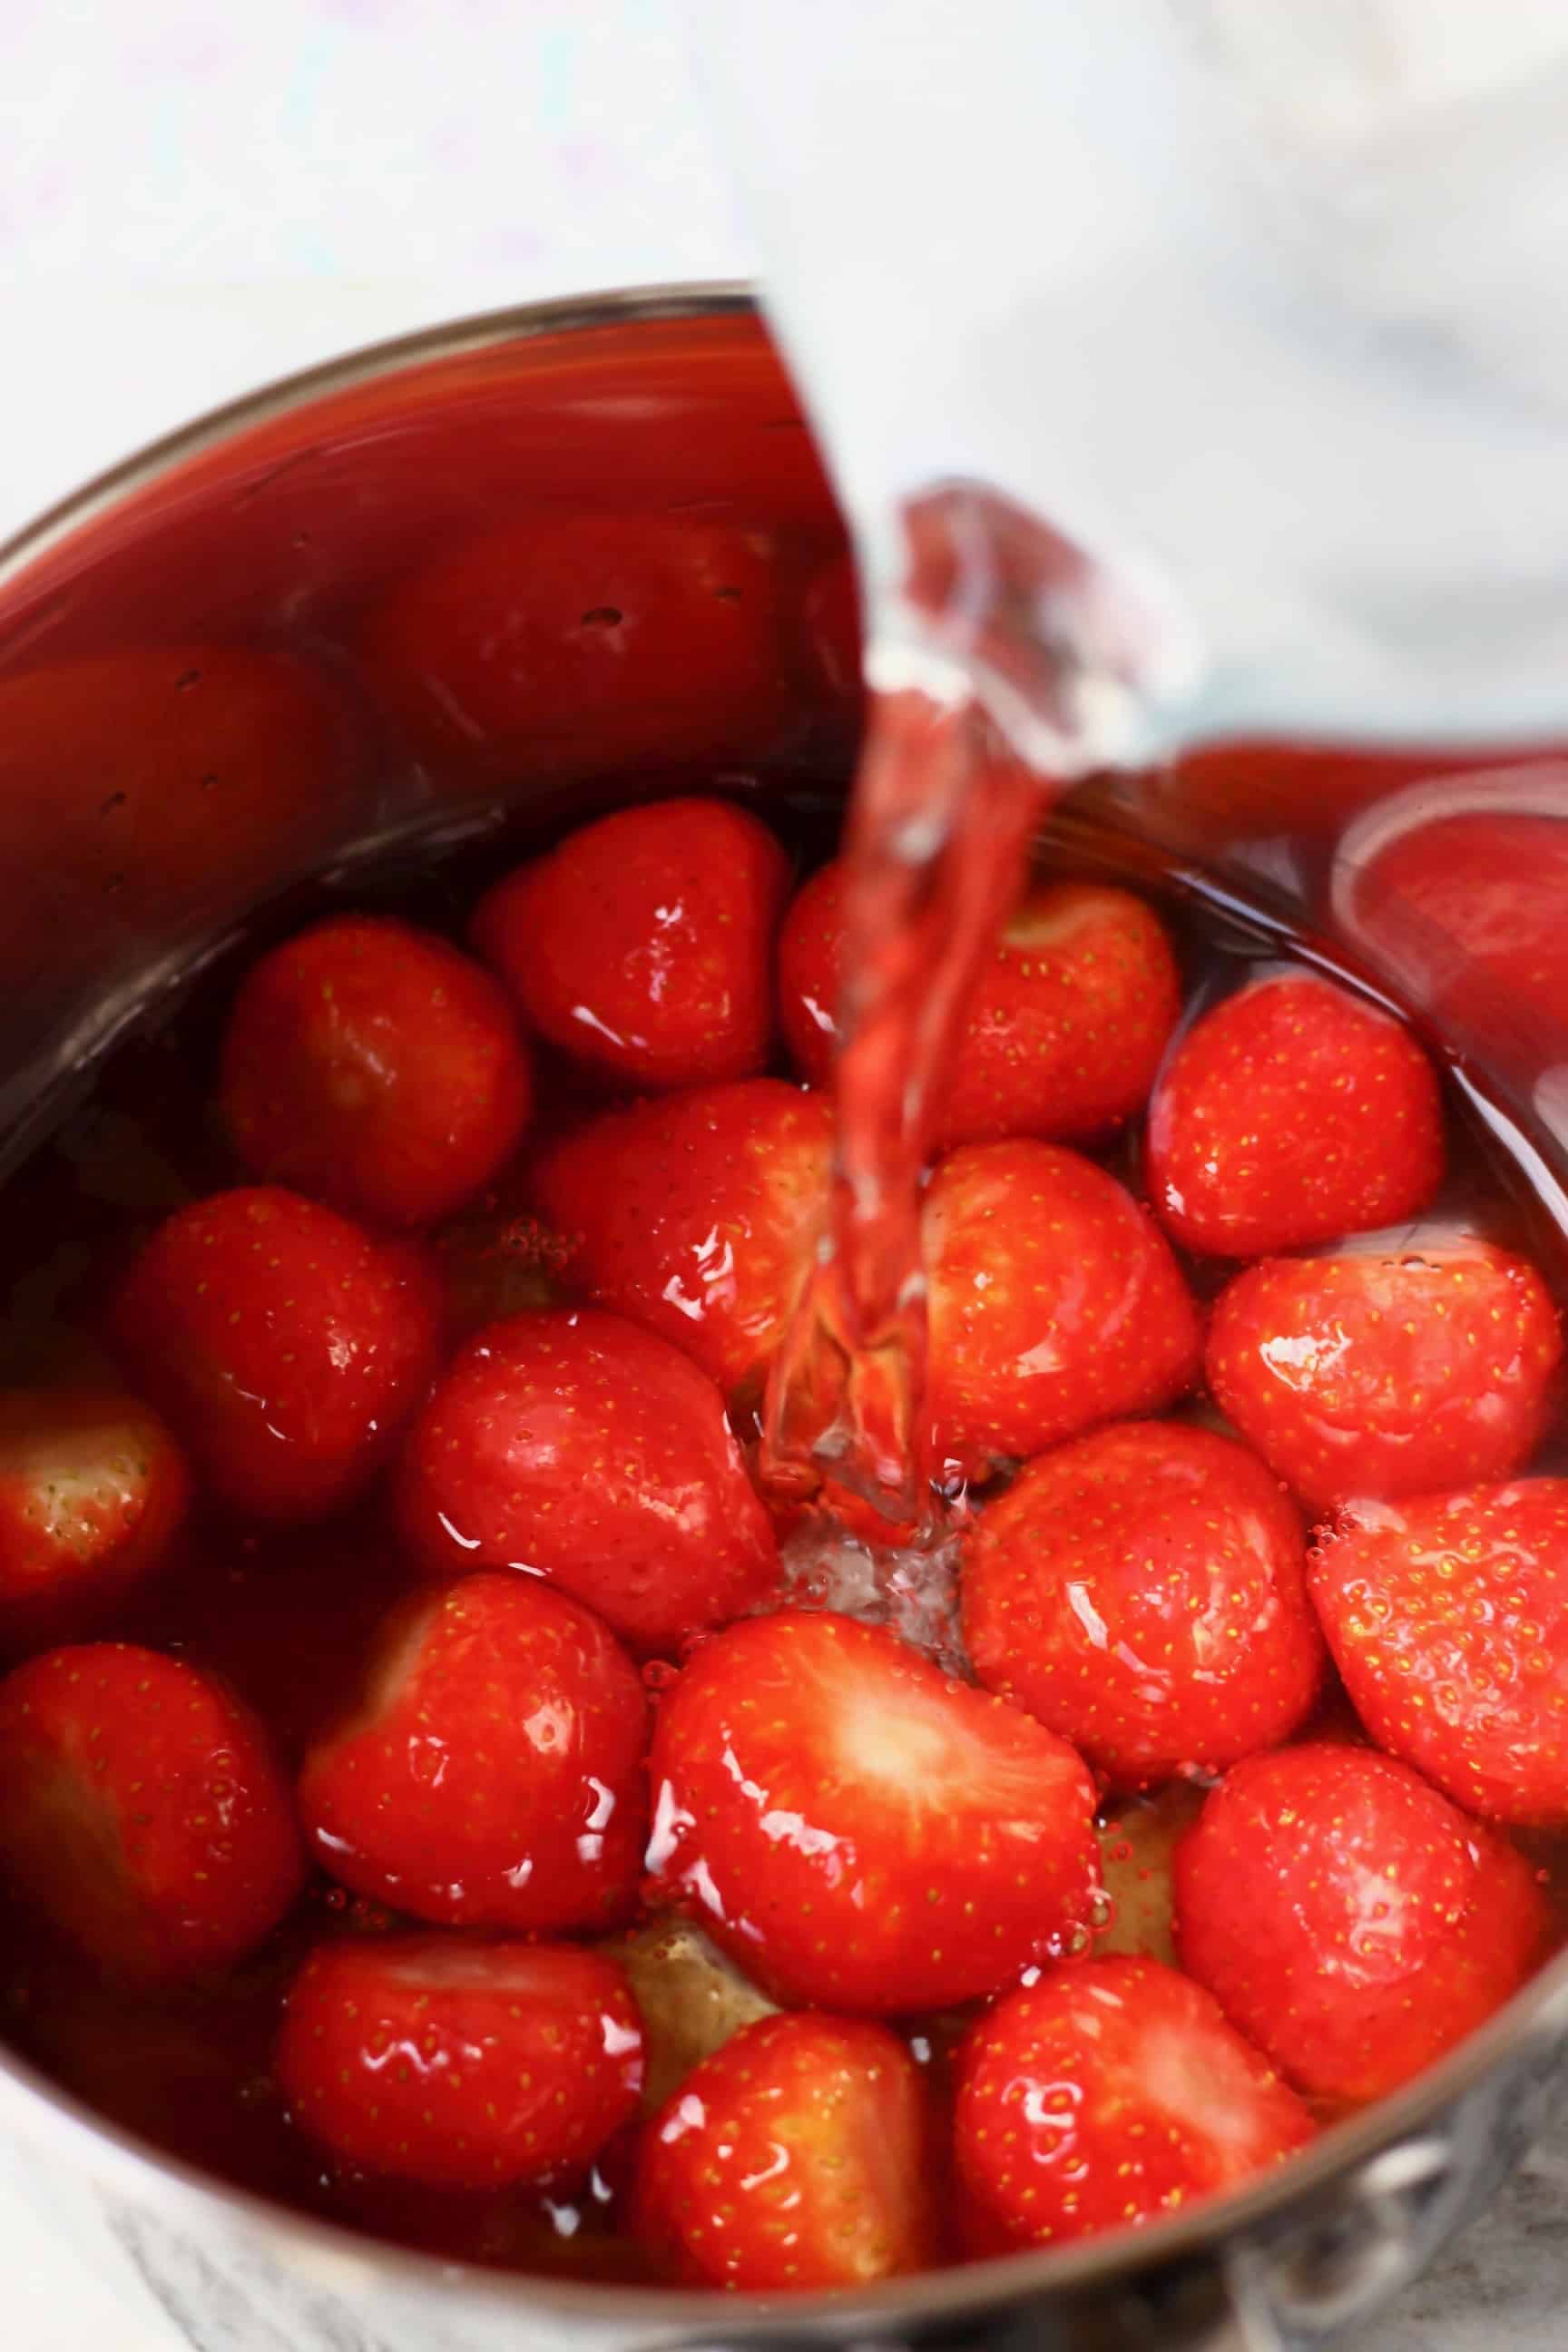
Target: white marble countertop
191, 203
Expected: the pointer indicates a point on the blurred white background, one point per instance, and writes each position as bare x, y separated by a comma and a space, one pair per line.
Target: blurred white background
194, 199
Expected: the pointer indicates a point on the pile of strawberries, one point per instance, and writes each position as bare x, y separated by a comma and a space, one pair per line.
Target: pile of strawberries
923, 2006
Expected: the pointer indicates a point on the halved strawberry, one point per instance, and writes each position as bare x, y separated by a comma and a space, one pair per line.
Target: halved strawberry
284, 1345
1110, 2096
1142, 1592
797, 2157
588, 1451
1349, 1918
858, 1829
1066, 1023
490, 1776
370, 1064
93, 1490
142, 1810
642, 946
1394, 1374
1447, 1616
1055, 1303
465, 2065
698, 1217
1292, 1113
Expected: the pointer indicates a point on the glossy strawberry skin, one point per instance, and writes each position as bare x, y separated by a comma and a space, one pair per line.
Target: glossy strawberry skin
1348, 1919
642, 946
594, 1454
698, 1217
93, 1491
1292, 1114
1142, 1592
142, 1810
1387, 1374
461, 2063
370, 1064
1055, 1303
282, 1343
490, 1776
1110, 2095
797, 2157
1447, 1617
1066, 1023
860, 1831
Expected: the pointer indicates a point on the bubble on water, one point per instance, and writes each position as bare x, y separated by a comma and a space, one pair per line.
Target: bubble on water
912, 1589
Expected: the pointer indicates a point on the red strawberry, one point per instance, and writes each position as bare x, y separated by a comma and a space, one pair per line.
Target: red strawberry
797, 2157
1387, 1375
1292, 1113
370, 1064
1055, 1303
1447, 1617
1066, 1023
1350, 1919
1108, 2097
93, 1490
283, 1344
643, 945
464, 2065
142, 1812
1142, 1592
698, 1217
859, 1830
490, 1775
584, 643
595, 1454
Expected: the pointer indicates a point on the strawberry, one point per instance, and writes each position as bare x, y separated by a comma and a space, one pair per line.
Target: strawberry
1138, 1839
491, 1773
284, 1345
142, 1812
1349, 1918
1387, 1374
1142, 1593
584, 643
698, 1217
1066, 1021
372, 1065
93, 1490
1447, 1616
860, 1831
1290, 1114
1055, 1303
465, 2065
642, 946
692, 2001
593, 1452
797, 2157
1110, 2096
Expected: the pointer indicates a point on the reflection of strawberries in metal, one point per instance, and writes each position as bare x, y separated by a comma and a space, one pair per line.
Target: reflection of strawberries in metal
595, 641
158, 792
1460, 902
